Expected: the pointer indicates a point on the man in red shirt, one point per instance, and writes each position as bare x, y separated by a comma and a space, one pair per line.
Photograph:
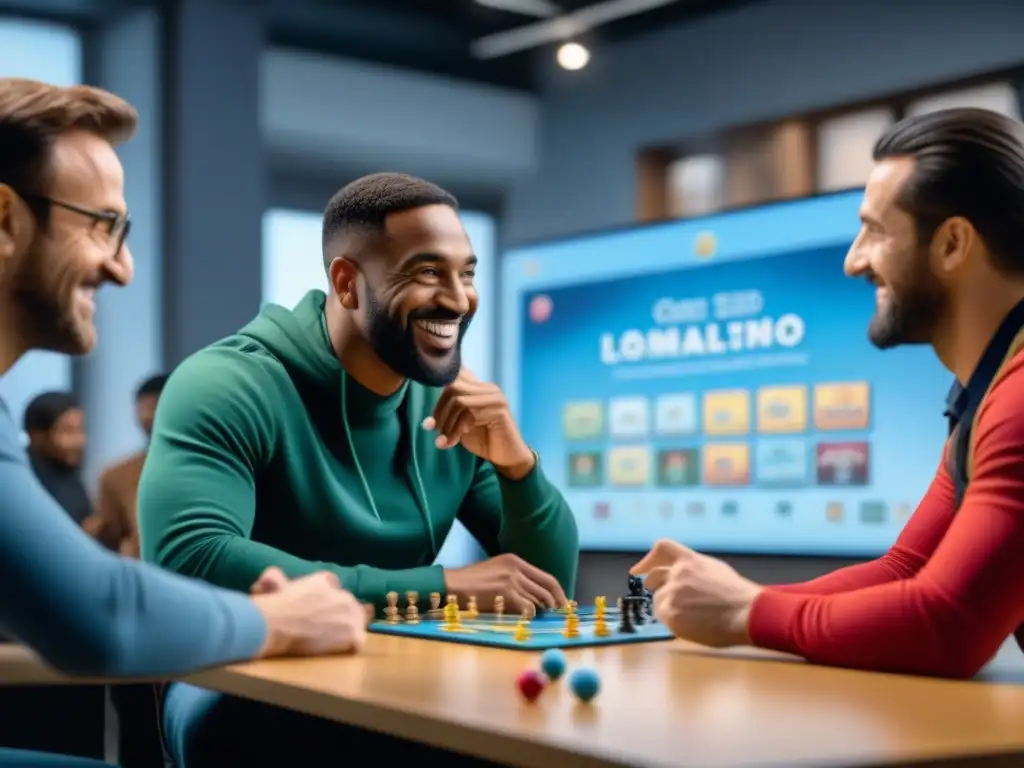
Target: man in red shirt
943, 242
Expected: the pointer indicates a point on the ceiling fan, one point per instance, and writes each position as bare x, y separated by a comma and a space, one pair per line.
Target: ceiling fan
555, 25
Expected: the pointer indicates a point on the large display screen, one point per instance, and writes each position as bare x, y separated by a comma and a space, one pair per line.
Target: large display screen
712, 381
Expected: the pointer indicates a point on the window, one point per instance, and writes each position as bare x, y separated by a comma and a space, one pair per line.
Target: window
53, 54
696, 185
292, 266
844, 147
998, 97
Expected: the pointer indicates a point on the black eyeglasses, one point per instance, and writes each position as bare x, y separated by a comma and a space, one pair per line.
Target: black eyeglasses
117, 225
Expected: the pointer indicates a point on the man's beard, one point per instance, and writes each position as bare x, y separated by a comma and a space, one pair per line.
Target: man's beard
911, 314
396, 345
48, 316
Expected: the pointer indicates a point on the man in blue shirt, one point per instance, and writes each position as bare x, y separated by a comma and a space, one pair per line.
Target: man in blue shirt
63, 225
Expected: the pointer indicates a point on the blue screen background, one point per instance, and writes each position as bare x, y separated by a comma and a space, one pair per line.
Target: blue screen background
559, 299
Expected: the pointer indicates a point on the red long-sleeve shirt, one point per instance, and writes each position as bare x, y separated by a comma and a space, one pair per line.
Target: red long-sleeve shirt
951, 589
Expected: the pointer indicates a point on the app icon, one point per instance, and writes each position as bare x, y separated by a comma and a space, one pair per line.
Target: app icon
842, 406
730, 508
782, 410
695, 509
678, 467
585, 469
784, 508
834, 512
602, 510
727, 412
627, 417
583, 420
629, 465
676, 414
665, 509
843, 463
873, 512
727, 464
782, 461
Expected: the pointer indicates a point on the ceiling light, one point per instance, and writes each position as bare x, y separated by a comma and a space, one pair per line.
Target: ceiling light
573, 56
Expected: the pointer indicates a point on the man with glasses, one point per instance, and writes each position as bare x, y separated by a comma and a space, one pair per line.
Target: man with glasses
63, 224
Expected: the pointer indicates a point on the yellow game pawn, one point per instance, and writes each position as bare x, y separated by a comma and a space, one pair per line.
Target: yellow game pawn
522, 632
601, 627
600, 605
451, 614
391, 611
412, 612
499, 608
572, 625
472, 611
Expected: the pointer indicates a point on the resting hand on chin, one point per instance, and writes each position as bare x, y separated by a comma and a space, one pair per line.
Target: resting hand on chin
699, 598
475, 415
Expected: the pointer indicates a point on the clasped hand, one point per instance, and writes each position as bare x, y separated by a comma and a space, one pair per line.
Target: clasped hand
699, 598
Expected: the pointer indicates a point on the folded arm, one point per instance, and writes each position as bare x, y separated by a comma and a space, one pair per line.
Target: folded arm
527, 517
90, 612
950, 617
197, 495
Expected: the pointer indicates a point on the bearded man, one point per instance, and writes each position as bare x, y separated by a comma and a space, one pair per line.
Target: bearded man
345, 434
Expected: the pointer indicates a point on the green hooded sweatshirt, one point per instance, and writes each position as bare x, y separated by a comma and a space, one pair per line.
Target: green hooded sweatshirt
255, 462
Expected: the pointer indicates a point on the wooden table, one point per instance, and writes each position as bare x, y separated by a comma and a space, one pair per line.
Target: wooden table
662, 704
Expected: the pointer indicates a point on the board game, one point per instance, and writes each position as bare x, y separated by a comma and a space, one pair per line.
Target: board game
572, 627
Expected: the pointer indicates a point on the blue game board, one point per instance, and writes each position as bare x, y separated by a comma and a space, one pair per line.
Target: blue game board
545, 631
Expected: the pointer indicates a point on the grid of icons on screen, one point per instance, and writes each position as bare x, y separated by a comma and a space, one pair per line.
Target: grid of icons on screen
776, 436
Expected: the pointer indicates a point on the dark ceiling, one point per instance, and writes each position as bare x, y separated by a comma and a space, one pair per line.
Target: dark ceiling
429, 35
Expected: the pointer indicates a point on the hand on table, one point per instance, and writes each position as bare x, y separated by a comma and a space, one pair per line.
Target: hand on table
310, 616
475, 414
699, 598
524, 586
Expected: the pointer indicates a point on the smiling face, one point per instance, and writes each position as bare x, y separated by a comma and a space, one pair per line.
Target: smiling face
418, 294
56, 266
909, 298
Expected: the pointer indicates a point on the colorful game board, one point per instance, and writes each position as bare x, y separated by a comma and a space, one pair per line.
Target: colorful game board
546, 630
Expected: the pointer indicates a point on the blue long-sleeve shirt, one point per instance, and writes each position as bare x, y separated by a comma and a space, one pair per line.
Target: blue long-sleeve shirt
89, 612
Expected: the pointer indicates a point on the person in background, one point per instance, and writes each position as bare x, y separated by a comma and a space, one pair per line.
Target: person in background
115, 522
942, 243
55, 425
85, 610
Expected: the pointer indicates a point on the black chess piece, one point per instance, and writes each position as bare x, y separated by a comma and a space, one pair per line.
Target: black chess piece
636, 586
626, 617
649, 605
639, 606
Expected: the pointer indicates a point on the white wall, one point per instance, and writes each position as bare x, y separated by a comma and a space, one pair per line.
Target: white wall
53, 54
292, 266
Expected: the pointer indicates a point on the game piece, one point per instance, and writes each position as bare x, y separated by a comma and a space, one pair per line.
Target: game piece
451, 614
391, 611
601, 627
552, 663
639, 610
435, 606
585, 683
626, 617
472, 611
600, 605
412, 612
572, 625
531, 684
522, 632
635, 585
499, 608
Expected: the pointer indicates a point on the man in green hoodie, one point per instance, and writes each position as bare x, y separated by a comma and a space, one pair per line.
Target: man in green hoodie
346, 435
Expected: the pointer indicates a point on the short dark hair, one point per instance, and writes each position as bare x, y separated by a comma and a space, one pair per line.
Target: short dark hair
154, 385
33, 115
367, 202
44, 410
969, 163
